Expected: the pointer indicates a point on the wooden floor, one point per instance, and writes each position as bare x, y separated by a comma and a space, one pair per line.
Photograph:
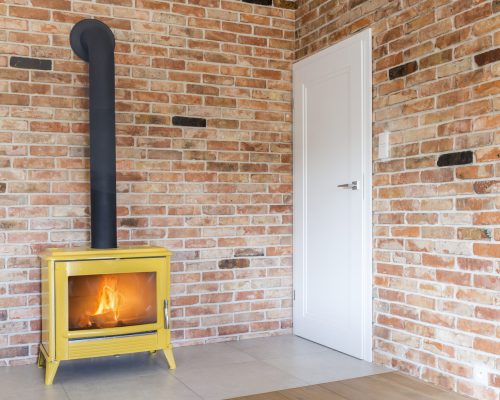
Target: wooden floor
389, 386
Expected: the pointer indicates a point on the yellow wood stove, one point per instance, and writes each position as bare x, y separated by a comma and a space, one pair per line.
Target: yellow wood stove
104, 302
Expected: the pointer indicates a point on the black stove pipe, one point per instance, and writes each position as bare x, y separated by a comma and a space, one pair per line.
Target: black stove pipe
93, 41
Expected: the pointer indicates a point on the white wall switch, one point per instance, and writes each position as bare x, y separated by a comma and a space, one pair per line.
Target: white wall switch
481, 374
383, 144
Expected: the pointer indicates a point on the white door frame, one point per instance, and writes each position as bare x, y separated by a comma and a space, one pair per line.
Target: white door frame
367, 275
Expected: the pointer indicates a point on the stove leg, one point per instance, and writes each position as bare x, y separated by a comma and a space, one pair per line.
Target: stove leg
169, 355
50, 371
41, 359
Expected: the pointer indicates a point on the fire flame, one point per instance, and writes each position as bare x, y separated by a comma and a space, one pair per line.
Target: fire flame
110, 299
108, 308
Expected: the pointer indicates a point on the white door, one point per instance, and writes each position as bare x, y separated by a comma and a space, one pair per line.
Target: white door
332, 200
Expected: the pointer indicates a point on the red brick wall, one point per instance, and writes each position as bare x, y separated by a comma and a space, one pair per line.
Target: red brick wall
219, 197
436, 229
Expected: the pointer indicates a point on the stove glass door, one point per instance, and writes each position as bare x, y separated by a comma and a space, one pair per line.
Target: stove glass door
111, 300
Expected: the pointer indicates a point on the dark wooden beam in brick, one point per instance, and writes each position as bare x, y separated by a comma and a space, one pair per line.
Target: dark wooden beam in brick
488, 57
402, 70
260, 2
459, 158
31, 63
189, 121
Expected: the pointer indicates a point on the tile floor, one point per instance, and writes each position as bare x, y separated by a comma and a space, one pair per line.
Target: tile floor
214, 371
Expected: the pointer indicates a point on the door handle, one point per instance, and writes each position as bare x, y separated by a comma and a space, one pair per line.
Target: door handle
165, 312
352, 186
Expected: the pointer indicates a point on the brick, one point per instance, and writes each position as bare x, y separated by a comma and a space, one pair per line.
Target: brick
483, 187
14, 99
474, 46
455, 127
437, 378
473, 234
291, 5
487, 282
437, 175
29, 13
487, 250
474, 172
390, 321
472, 264
455, 368
486, 313
232, 329
488, 155
52, 4
250, 295
13, 352
438, 261
453, 37
486, 345
487, 218
472, 15
487, 122
457, 278
438, 348
436, 59
437, 319
234, 263
435, 146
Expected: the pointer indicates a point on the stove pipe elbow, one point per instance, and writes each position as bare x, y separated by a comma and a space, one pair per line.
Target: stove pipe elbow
93, 42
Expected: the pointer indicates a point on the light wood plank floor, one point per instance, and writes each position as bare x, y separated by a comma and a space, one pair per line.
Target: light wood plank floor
389, 386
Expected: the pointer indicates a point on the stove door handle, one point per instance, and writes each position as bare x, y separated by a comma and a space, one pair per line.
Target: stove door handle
165, 311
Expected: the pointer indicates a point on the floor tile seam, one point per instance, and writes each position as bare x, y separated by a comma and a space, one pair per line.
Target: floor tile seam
253, 358
287, 373
199, 395
66, 392
188, 387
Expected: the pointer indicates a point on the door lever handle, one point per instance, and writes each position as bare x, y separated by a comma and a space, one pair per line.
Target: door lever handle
165, 312
352, 186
